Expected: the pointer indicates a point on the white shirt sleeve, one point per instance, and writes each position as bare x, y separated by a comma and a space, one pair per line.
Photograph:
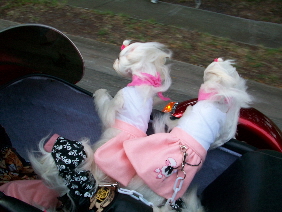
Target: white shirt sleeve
136, 110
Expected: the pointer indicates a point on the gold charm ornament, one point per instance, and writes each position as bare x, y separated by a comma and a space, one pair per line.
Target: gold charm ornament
103, 197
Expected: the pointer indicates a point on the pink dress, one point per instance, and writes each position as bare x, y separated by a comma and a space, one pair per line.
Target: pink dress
156, 159
33, 192
111, 157
132, 120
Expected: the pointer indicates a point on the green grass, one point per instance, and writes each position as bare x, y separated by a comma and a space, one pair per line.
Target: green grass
22, 2
103, 32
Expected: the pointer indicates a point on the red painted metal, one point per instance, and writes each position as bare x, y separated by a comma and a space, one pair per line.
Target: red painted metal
258, 130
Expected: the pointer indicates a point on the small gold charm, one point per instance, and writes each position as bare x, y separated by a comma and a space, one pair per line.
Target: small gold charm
102, 194
103, 197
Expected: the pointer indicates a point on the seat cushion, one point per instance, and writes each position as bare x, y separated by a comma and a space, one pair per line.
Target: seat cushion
252, 184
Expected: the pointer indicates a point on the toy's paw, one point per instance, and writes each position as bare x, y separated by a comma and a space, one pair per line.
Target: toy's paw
118, 100
100, 92
102, 95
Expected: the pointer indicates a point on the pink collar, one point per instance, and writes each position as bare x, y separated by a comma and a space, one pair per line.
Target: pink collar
203, 95
148, 80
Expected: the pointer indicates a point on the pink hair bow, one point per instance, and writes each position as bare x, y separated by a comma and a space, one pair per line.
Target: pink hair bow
122, 47
125, 44
148, 80
218, 60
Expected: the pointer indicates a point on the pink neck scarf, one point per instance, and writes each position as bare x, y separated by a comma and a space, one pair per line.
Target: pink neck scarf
203, 95
148, 80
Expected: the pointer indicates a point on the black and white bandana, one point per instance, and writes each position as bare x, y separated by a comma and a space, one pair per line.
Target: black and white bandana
67, 156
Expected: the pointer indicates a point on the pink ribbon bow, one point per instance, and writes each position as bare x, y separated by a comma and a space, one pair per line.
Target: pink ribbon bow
122, 47
148, 80
218, 60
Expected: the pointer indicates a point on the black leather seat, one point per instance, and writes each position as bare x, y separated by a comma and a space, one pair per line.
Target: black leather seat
251, 184
11, 204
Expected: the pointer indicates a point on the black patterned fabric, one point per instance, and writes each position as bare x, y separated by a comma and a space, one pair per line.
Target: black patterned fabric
68, 155
12, 165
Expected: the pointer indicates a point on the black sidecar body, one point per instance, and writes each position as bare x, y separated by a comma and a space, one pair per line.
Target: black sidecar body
39, 67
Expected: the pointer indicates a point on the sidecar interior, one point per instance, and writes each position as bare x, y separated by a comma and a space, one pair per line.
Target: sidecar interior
235, 177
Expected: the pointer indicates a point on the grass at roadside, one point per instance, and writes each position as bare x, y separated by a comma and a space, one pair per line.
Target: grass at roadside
253, 62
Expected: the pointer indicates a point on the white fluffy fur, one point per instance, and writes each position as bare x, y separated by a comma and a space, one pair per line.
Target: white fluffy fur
222, 77
44, 165
133, 60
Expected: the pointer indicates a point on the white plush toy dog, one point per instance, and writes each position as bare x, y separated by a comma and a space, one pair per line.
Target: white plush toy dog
223, 85
127, 115
145, 64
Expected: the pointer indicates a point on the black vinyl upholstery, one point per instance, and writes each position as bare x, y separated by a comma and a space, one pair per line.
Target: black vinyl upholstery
252, 184
11, 204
